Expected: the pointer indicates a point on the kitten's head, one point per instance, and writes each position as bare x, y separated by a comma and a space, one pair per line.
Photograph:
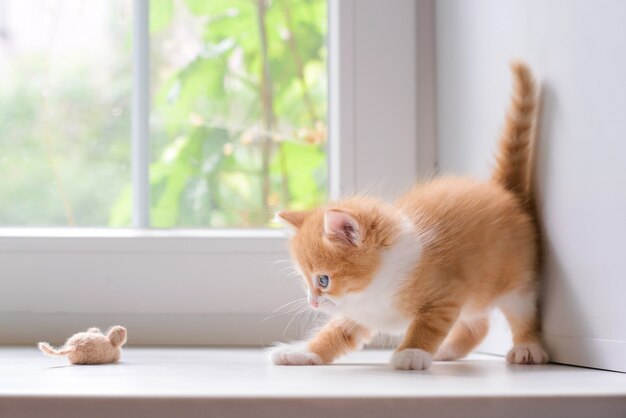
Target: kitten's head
337, 248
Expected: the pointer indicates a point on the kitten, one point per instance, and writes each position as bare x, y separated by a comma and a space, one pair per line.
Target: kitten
429, 266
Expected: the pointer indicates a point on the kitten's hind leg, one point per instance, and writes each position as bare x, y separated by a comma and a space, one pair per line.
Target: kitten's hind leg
520, 309
336, 338
464, 336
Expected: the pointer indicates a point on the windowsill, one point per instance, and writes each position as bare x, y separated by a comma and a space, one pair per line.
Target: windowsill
239, 382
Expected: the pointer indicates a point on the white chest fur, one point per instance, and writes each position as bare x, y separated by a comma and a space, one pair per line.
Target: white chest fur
376, 306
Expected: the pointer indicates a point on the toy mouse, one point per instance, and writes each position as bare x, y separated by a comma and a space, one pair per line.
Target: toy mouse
91, 347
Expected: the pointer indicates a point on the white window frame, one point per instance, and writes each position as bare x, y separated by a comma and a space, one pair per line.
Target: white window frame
217, 286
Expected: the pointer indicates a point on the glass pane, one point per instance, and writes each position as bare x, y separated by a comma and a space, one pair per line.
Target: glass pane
238, 117
64, 112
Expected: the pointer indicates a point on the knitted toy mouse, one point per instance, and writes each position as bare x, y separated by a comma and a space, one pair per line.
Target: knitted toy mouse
91, 347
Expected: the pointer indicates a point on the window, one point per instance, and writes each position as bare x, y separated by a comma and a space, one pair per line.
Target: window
235, 94
65, 111
211, 285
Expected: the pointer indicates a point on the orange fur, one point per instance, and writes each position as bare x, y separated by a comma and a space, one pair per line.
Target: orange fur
339, 336
511, 170
464, 336
439, 259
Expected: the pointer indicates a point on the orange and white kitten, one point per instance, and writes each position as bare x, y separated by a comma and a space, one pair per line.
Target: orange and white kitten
429, 266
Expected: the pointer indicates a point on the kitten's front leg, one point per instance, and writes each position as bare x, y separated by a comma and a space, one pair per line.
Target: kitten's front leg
336, 338
425, 334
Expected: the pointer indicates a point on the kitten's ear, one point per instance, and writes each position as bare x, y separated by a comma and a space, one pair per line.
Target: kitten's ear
292, 219
340, 226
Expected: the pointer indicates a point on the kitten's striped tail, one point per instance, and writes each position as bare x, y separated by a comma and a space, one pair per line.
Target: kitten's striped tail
513, 160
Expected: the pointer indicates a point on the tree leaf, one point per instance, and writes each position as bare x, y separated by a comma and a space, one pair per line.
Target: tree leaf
161, 12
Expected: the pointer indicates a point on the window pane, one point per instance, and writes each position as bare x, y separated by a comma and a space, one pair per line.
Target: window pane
238, 117
64, 112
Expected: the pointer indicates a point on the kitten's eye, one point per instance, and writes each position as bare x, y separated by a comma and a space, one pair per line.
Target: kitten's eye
323, 280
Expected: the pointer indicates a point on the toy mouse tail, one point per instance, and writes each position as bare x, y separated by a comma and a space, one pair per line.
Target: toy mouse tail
51, 351
117, 336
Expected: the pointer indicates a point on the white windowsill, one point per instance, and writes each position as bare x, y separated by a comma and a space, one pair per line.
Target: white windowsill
240, 383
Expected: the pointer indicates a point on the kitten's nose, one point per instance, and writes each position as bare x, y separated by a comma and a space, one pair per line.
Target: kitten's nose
313, 303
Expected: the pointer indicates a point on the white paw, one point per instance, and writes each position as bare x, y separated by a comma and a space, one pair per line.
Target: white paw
411, 359
446, 353
531, 353
294, 355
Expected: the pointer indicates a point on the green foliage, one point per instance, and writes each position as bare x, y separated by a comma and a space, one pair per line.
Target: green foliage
63, 150
208, 128
222, 154
305, 166
160, 14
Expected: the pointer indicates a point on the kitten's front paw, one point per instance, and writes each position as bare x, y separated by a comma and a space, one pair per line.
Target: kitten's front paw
531, 353
411, 359
294, 355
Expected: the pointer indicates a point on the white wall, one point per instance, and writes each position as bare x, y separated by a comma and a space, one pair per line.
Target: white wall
578, 50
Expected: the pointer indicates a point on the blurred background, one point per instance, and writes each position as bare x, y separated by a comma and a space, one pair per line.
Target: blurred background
238, 111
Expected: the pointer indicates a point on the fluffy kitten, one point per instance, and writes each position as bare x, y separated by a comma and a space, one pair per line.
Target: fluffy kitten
429, 266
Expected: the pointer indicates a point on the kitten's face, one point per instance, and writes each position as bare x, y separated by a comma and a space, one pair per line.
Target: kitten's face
337, 251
